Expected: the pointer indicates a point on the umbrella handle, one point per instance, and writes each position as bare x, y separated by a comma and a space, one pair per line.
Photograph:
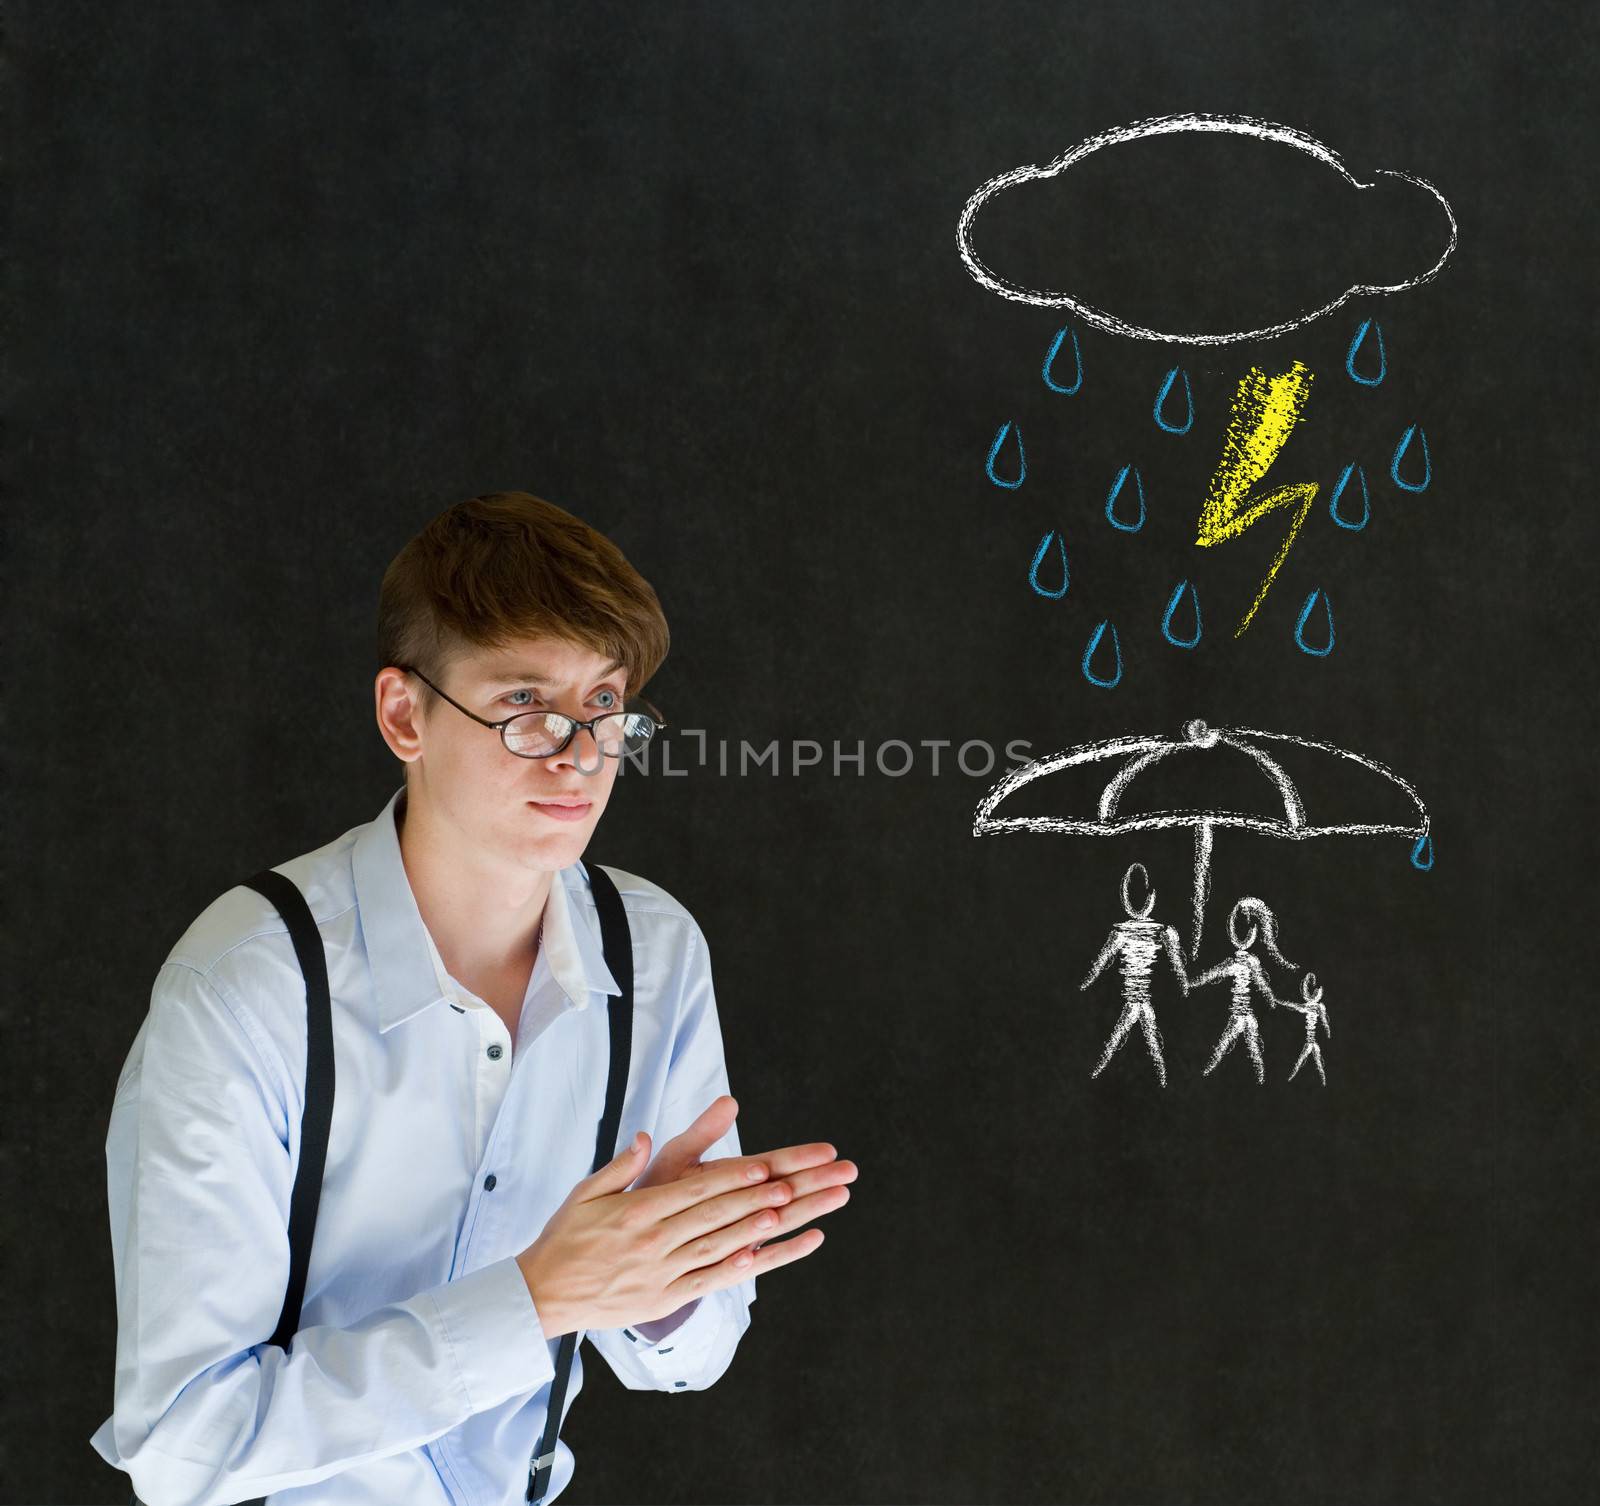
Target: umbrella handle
1202, 880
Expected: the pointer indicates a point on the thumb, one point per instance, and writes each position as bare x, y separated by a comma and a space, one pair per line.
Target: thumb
618, 1172
625, 1165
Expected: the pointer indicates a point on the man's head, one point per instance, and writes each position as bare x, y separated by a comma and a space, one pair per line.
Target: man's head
507, 604
1136, 878
1240, 927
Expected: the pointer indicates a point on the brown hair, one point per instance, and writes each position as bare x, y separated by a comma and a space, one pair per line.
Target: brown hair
509, 565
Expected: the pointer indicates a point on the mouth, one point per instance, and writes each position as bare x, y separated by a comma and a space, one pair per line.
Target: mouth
562, 810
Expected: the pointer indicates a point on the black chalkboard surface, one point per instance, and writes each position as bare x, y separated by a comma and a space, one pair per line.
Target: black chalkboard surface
1127, 460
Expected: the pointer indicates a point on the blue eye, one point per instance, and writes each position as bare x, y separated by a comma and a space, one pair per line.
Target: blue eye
614, 704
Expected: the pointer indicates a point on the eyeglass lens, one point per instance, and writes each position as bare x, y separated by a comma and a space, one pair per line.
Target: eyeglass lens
536, 734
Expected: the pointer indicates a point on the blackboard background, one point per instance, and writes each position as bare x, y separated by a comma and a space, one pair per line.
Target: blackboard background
285, 281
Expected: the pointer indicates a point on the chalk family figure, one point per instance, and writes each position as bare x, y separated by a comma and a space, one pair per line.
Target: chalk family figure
1139, 941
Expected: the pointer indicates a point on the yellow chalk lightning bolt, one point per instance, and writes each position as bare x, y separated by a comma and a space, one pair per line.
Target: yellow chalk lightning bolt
1265, 410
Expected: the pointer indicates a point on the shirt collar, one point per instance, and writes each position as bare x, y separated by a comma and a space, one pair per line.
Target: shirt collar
399, 949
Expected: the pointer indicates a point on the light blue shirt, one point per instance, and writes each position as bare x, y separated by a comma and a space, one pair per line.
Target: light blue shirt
420, 1372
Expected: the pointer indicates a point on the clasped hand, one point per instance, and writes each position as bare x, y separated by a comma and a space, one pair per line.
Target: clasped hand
613, 1254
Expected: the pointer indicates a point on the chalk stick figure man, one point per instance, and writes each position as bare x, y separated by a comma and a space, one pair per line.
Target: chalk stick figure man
1135, 942
1316, 1012
1244, 972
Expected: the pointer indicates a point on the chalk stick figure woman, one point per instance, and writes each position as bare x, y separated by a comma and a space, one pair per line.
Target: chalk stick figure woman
1135, 942
1316, 1012
1243, 971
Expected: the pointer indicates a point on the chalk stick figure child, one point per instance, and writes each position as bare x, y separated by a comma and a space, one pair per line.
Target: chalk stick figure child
1135, 942
1244, 972
1316, 1012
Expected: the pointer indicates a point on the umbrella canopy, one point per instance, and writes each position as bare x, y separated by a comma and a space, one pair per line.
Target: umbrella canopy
1284, 814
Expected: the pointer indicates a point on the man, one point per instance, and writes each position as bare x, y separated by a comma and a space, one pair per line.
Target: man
1136, 942
460, 1231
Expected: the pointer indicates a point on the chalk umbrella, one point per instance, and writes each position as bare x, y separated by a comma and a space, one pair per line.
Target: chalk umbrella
1132, 756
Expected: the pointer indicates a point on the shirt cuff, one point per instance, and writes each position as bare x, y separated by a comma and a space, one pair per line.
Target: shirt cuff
688, 1348
653, 1333
494, 1333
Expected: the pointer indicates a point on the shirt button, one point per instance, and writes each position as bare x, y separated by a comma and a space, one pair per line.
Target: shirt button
488, 1182
495, 1053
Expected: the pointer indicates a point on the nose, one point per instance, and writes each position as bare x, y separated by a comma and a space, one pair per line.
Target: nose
585, 757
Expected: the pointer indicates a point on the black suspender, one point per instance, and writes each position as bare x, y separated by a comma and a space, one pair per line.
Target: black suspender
316, 1115
619, 958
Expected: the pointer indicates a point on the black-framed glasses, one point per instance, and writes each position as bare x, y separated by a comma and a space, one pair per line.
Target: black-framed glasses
542, 734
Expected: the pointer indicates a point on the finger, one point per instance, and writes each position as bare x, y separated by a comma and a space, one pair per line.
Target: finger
726, 1273
820, 1178
711, 1179
796, 1214
728, 1209
775, 1252
706, 1232
701, 1245
683, 1151
712, 1122
701, 1183
791, 1158
721, 1208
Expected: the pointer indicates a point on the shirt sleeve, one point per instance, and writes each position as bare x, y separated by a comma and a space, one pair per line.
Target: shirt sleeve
695, 1354
206, 1410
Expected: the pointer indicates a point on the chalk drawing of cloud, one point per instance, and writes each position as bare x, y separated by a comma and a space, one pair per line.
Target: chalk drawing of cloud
1243, 125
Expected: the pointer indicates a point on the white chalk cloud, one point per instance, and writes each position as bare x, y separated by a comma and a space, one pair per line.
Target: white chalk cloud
1243, 125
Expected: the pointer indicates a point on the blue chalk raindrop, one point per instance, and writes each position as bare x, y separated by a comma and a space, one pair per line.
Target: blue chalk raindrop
1327, 617
1355, 345
1033, 569
1104, 682
1172, 606
1422, 853
1399, 454
1077, 360
1161, 398
994, 449
1116, 491
1338, 491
